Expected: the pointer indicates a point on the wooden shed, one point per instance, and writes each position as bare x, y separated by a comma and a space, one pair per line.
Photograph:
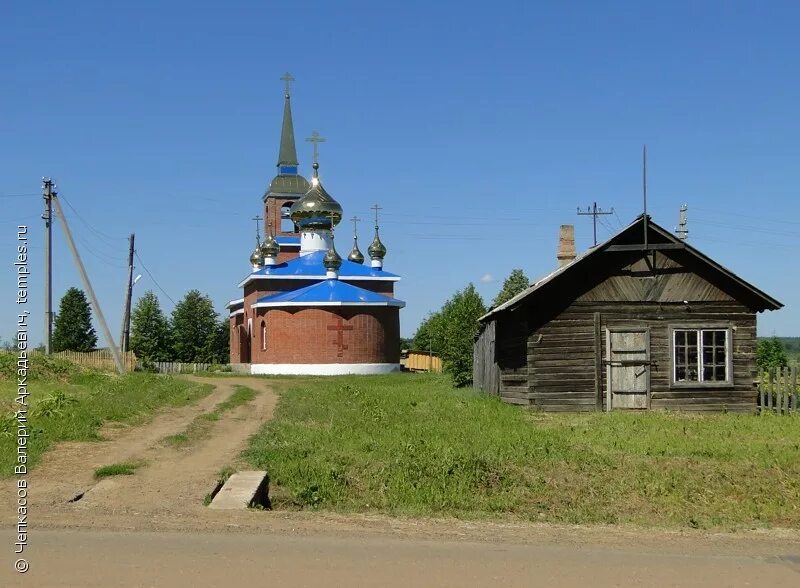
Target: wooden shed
642, 321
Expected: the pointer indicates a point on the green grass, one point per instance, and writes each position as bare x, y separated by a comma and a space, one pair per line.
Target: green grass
411, 445
200, 427
69, 403
116, 469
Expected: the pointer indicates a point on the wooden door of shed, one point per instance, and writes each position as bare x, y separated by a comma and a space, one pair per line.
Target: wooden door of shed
628, 369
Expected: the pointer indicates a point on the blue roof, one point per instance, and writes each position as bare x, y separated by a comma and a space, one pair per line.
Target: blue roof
310, 267
330, 292
284, 240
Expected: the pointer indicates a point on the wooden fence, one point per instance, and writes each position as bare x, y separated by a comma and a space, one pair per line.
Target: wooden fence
101, 359
778, 391
176, 367
422, 361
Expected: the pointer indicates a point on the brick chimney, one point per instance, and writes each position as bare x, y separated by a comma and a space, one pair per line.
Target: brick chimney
566, 245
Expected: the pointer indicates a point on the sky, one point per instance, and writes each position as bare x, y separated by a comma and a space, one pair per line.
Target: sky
479, 128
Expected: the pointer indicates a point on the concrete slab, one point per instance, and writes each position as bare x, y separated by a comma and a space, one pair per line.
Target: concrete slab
242, 489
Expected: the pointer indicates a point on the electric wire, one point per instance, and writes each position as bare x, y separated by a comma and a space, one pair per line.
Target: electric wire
107, 238
144, 267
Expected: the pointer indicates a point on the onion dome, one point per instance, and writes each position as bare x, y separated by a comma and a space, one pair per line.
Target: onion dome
317, 209
332, 261
377, 250
355, 255
255, 257
270, 247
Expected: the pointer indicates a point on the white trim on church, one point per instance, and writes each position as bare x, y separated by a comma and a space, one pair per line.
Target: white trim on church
251, 278
398, 304
322, 369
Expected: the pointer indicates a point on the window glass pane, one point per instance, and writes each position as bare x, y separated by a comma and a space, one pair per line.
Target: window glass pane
691, 337
708, 354
719, 355
691, 355
680, 373
708, 374
680, 337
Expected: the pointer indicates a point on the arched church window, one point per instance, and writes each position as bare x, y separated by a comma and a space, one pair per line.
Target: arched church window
263, 336
287, 226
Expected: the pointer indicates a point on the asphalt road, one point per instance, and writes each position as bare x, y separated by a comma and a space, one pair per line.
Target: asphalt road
87, 558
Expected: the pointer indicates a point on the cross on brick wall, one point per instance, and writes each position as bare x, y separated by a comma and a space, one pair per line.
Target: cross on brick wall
340, 328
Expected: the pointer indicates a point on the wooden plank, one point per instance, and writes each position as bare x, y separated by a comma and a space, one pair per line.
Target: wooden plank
783, 407
771, 389
598, 362
642, 247
512, 400
795, 393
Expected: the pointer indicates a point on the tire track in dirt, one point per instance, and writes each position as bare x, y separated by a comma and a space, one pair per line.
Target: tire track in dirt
67, 469
174, 481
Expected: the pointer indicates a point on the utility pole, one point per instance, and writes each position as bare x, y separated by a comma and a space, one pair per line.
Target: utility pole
682, 231
47, 192
594, 212
87, 284
124, 339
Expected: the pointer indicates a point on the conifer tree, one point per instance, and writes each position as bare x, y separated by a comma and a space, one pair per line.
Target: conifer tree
194, 327
515, 283
770, 354
150, 330
73, 329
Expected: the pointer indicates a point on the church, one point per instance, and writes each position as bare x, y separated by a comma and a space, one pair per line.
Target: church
304, 309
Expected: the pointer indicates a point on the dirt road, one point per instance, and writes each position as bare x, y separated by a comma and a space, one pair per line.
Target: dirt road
88, 559
151, 529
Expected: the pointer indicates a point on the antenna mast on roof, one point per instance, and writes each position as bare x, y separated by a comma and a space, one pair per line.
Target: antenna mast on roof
644, 191
682, 231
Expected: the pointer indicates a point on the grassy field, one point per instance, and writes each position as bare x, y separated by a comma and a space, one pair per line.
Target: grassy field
411, 445
69, 403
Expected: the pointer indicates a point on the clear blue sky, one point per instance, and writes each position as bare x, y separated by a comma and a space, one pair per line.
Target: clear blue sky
479, 127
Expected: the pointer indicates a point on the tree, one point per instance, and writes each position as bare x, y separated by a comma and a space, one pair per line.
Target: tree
770, 354
73, 329
451, 331
515, 283
150, 330
429, 333
218, 345
459, 320
194, 327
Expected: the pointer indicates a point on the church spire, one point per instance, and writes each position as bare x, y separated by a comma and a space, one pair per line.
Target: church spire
287, 156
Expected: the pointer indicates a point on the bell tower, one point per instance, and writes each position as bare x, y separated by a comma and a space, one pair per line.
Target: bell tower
287, 186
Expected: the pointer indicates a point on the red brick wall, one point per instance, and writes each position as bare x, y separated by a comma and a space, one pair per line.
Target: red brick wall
303, 336
288, 255
237, 353
272, 212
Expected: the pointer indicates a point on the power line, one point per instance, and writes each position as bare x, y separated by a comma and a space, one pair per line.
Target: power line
144, 267
107, 238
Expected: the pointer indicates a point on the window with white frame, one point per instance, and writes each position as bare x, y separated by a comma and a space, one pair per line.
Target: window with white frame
701, 356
